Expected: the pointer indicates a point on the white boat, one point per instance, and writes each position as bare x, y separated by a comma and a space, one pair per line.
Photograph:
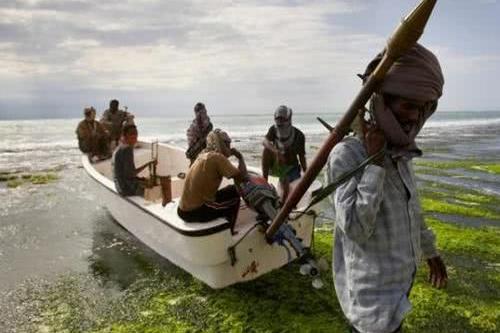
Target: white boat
208, 251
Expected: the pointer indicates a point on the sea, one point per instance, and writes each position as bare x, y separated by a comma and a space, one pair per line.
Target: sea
51, 229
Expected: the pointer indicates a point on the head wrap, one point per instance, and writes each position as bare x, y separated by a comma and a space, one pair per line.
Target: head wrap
284, 130
87, 111
217, 141
199, 106
416, 75
200, 126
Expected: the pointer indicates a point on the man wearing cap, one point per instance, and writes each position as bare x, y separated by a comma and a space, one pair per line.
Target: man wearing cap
198, 131
284, 147
92, 137
380, 233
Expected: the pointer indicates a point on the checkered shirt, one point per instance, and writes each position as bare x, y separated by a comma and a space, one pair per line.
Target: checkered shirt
380, 236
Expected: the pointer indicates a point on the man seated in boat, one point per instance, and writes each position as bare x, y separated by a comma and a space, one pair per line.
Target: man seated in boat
92, 136
201, 201
284, 147
198, 131
124, 171
114, 119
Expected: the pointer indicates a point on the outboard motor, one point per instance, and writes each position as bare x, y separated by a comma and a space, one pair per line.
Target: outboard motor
263, 198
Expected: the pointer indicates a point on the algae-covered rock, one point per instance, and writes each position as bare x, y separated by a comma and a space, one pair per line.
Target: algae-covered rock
4, 177
43, 178
14, 182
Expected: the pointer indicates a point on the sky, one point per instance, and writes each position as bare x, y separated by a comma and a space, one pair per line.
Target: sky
238, 57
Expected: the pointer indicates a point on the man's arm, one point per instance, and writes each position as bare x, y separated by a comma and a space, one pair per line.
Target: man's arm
241, 176
142, 167
105, 117
357, 201
438, 276
268, 145
303, 162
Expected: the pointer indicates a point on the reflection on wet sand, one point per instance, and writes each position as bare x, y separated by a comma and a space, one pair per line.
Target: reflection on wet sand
118, 258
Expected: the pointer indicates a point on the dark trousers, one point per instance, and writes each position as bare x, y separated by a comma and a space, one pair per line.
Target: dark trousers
226, 204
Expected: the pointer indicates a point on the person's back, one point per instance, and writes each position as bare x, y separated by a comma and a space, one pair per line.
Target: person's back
202, 200
124, 175
204, 178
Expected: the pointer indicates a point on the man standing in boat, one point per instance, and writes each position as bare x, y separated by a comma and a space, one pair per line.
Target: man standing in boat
284, 147
92, 137
380, 234
114, 119
198, 131
201, 201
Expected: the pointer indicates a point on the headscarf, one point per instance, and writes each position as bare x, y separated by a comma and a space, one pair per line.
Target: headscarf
285, 132
416, 75
90, 122
88, 110
199, 128
217, 141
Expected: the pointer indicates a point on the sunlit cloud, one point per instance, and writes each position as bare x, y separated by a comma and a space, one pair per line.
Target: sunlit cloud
263, 52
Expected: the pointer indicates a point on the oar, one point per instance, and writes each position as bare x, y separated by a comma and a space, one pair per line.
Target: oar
402, 40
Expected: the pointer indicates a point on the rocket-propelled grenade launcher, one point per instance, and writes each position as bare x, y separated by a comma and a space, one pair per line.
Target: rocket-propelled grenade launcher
403, 39
262, 197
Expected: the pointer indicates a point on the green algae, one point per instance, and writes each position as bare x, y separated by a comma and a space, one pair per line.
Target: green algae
284, 301
463, 208
14, 180
481, 243
43, 178
432, 172
7, 176
454, 200
491, 168
472, 165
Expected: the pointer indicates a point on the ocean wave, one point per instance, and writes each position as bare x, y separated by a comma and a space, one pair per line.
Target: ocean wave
26, 147
445, 123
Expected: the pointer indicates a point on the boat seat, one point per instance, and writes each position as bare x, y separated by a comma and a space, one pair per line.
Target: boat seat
168, 215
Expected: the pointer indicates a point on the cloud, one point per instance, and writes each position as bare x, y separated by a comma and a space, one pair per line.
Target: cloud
240, 55
178, 45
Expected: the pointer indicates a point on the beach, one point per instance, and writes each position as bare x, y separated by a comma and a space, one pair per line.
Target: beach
67, 266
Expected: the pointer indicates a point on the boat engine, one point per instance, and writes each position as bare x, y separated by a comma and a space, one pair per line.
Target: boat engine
263, 198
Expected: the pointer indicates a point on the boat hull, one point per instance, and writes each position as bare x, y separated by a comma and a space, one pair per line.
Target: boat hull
217, 258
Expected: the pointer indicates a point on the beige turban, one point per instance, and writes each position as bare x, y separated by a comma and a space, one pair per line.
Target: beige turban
217, 141
416, 75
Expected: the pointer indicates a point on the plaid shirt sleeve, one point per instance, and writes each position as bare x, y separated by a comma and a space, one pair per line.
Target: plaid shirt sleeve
357, 201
